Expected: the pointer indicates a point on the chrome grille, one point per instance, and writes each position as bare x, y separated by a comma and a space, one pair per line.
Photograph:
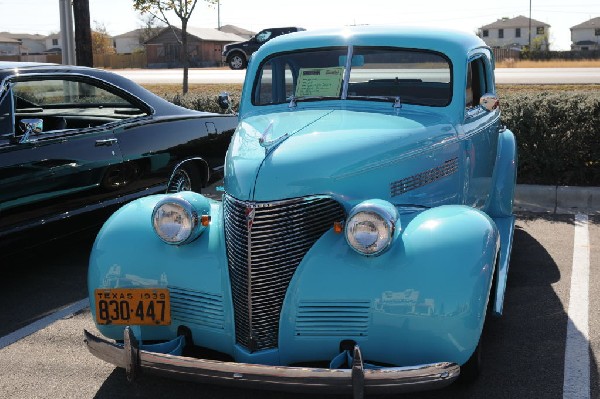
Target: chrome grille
265, 243
413, 182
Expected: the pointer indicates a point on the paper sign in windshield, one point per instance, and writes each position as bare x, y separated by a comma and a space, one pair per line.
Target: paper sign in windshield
320, 82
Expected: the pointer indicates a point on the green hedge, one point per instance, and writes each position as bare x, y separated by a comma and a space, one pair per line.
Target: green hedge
558, 132
558, 136
202, 102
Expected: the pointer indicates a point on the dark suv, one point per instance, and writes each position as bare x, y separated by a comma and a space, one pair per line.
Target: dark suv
236, 54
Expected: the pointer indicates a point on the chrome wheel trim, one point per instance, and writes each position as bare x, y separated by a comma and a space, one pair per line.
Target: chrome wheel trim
236, 62
181, 181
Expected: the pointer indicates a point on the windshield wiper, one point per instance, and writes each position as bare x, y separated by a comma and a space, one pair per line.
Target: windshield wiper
395, 99
294, 100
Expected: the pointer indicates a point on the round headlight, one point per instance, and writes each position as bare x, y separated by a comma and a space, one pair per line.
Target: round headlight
370, 227
175, 221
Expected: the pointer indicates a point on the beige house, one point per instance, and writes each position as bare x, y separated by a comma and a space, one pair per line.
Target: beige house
30, 44
53, 43
515, 33
129, 42
586, 35
9, 47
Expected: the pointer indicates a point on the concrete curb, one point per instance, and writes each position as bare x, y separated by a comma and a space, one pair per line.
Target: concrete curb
557, 199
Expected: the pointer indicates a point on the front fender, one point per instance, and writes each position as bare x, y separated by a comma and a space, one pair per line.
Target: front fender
128, 253
426, 297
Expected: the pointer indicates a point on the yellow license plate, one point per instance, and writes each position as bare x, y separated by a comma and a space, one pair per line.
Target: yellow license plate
133, 306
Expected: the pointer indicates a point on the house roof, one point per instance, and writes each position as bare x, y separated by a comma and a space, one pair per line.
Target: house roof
213, 35
131, 33
236, 30
516, 22
4, 39
205, 34
22, 36
591, 23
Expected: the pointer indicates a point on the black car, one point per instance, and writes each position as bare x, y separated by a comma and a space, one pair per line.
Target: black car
236, 55
77, 141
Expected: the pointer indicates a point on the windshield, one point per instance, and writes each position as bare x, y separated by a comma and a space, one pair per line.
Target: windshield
375, 73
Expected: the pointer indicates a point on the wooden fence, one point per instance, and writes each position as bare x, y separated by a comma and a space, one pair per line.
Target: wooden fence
120, 61
502, 54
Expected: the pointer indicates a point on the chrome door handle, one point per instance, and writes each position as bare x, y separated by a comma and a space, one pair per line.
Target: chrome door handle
106, 142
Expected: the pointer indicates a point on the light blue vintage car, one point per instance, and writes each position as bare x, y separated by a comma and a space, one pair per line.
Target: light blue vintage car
363, 235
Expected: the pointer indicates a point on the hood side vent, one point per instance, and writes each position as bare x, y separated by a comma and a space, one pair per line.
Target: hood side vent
413, 182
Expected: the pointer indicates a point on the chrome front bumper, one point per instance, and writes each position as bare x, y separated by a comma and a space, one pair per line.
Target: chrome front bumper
356, 380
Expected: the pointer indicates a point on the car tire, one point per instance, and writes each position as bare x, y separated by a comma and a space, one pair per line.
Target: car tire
236, 61
185, 178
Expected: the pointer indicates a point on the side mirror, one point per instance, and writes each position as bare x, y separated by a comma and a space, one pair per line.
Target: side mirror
489, 101
224, 102
29, 126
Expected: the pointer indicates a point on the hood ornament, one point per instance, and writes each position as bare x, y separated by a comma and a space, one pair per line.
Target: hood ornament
269, 145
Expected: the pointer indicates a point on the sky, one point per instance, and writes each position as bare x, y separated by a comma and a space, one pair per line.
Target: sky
118, 16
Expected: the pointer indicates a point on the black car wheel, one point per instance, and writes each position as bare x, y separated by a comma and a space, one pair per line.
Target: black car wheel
185, 178
237, 61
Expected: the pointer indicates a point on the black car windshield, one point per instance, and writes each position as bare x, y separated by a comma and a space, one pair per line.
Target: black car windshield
375, 73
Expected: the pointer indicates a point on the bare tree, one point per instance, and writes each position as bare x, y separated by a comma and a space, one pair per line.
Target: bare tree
150, 26
101, 41
183, 9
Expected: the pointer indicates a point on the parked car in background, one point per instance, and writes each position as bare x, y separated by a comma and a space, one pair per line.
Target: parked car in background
77, 141
363, 236
236, 55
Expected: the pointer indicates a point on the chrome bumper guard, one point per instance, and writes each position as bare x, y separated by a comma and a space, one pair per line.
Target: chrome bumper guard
357, 380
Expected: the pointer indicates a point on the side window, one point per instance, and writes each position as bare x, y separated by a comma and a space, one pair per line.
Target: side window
263, 36
277, 83
477, 82
71, 104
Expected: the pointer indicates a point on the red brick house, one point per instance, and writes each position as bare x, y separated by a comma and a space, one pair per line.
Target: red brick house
204, 47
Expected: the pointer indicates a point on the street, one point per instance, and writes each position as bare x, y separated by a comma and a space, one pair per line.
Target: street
503, 75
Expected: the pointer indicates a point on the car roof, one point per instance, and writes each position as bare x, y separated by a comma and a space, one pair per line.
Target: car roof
458, 46
454, 43
160, 105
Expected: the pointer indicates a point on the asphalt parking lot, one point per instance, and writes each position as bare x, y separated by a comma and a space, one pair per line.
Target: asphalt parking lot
525, 352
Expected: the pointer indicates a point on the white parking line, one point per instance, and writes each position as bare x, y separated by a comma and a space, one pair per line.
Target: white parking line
577, 359
43, 323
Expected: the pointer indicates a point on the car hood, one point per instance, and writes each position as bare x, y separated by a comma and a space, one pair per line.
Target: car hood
333, 152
